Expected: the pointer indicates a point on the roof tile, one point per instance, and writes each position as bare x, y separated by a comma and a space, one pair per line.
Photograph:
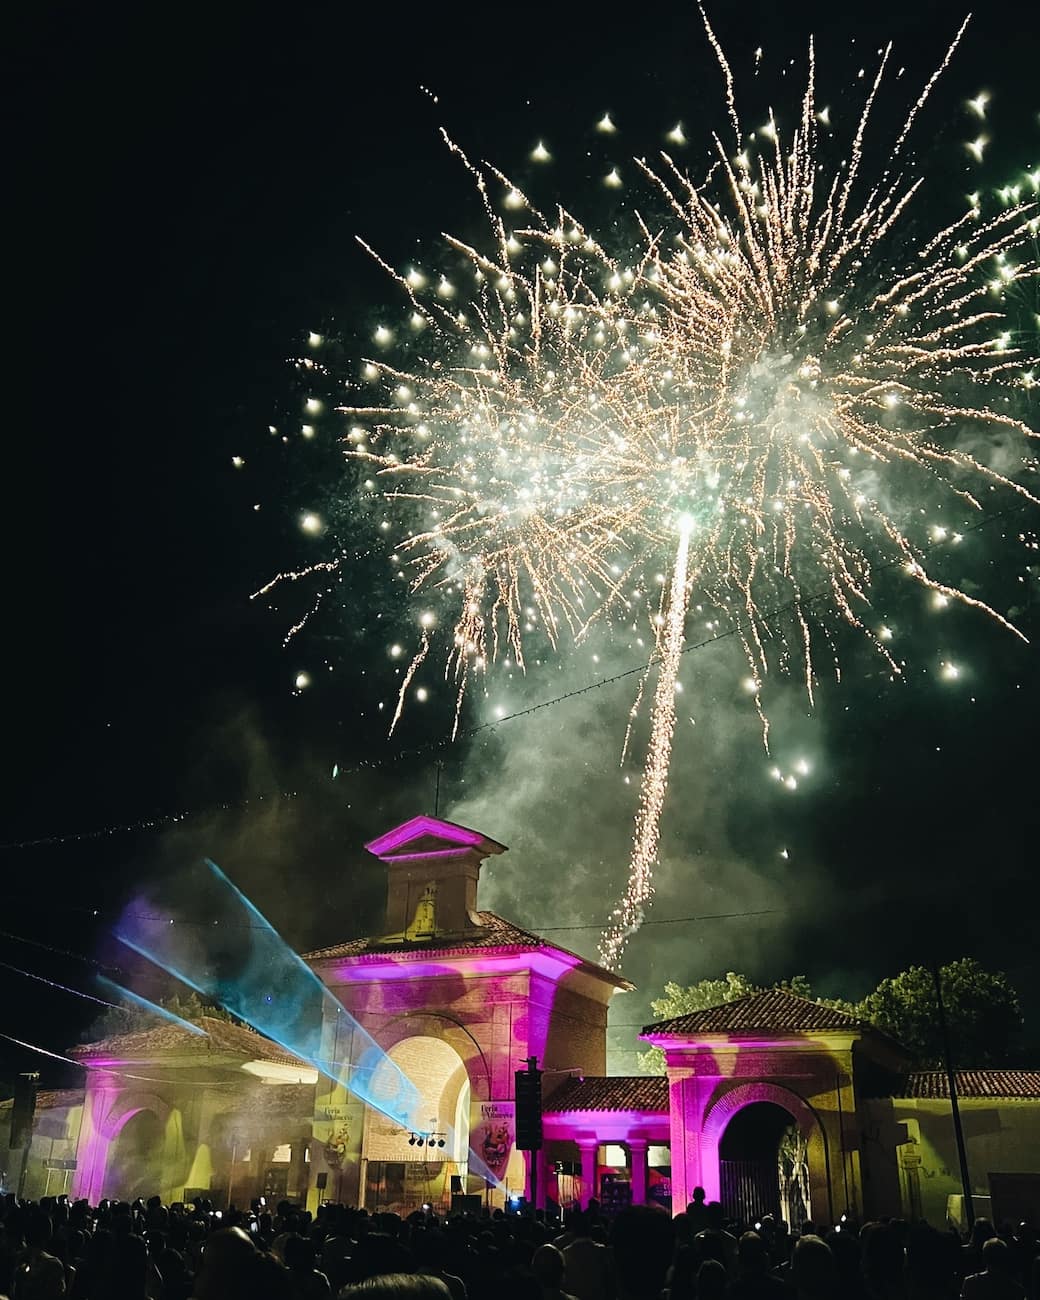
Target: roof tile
494, 932
972, 1083
621, 1092
773, 1011
221, 1037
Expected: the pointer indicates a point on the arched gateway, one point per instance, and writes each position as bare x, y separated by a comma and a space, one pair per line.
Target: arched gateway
800, 1058
772, 1102
458, 998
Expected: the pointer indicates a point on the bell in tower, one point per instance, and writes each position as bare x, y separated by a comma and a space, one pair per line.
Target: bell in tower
432, 872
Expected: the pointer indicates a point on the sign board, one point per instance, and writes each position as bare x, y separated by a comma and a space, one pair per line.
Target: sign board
59, 1164
492, 1134
334, 1113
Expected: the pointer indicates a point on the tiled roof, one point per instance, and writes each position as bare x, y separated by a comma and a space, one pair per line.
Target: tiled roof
49, 1098
971, 1083
770, 1012
623, 1092
494, 932
286, 1100
222, 1037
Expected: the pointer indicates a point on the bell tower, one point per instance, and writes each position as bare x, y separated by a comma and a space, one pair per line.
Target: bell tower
432, 870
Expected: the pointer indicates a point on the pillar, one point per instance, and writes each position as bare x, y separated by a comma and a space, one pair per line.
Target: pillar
695, 1155
637, 1156
298, 1170
93, 1142
589, 1148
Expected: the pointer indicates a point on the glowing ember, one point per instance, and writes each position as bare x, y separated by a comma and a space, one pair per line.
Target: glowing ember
748, 402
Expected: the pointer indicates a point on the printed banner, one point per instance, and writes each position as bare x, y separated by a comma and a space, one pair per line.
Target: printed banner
492, 1132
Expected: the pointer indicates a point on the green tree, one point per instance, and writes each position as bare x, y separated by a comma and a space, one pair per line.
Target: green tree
132, 1020
982, 1011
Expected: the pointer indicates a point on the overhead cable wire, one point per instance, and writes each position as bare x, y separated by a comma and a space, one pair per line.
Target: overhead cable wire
159, 820
63, 987
47, 947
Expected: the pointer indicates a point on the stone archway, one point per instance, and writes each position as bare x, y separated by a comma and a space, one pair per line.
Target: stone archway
439, 1025
808, 1130
109, 1113
402, 1166
761, 1166
135, 1157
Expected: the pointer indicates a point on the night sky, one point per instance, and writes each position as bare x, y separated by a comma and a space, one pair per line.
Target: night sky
188, 185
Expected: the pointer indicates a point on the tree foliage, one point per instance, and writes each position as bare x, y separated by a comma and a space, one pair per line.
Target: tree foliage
131, 1020
982, 1010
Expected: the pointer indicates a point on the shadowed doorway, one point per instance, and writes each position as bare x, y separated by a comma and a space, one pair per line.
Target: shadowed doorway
762, 1166
135, 1158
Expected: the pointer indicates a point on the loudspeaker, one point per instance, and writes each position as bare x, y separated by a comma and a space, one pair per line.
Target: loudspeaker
322, 1181
23, 1110
527, 1093
465, 1205
456, 1184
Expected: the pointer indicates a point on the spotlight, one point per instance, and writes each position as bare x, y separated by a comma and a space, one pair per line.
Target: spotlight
440, 1142
418, 1142
411, 1141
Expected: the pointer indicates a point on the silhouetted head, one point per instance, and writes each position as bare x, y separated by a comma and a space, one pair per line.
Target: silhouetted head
298, 1253
753, 1255
128, 1268
996, 1257
714, 1216
225, 1265
399, 1286
38, 1231
378, 1253
711, 1281
642, 1239
813, 1268
548, 1266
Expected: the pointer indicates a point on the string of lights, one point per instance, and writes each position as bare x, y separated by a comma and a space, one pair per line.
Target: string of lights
667, 920
48, 947
532, 925
159, 821
89, 997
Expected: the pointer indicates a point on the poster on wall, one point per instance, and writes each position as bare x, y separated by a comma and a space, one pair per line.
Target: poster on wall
492, 1132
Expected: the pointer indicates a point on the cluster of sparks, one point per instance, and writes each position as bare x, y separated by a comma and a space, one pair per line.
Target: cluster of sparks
569, 437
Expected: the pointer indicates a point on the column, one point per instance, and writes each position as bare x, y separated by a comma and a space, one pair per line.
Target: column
589, 1148
93, 1142
682, 1188
637, 1156
298, 1171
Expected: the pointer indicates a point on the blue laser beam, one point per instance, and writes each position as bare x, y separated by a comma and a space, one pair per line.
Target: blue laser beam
254, 974
153, 1008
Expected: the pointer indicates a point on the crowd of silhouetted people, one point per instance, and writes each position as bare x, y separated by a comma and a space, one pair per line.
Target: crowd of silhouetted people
150, 1251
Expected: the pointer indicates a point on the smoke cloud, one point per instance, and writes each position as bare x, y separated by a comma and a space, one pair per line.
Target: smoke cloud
552, 787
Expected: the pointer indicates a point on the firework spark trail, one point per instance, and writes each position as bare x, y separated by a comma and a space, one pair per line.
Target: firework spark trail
628, 914
739, 400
